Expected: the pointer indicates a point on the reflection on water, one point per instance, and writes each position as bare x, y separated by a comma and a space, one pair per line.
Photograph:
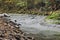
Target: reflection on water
36, 25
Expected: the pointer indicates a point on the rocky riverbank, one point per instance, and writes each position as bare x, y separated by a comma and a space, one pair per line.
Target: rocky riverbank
11, 31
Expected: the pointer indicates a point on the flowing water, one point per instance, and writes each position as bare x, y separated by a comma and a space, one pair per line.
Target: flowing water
35, 24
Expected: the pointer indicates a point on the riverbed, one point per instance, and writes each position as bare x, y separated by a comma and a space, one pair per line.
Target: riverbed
36, 24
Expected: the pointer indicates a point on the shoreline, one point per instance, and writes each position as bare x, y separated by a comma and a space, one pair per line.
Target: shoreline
11, 31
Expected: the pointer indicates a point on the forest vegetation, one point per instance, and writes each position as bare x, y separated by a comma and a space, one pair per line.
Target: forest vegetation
35, 7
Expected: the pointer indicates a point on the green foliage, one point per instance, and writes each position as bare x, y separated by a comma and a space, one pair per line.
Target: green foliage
54, 16
18, 5
21, 4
